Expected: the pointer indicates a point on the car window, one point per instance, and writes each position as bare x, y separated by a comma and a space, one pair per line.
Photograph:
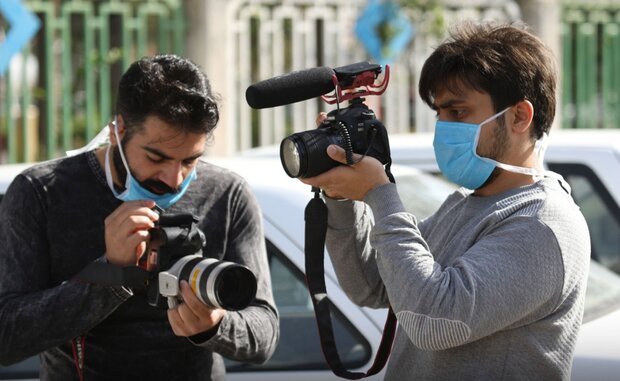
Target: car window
299, 347
603, 292
601, 212
422, 194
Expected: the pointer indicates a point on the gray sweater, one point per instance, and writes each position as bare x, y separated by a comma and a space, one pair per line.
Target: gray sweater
53, 226
487, 288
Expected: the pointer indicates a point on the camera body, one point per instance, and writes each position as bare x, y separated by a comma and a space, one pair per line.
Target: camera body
354, 128
174, 253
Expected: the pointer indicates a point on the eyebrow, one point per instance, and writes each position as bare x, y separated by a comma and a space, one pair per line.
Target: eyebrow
449, 103
159, 153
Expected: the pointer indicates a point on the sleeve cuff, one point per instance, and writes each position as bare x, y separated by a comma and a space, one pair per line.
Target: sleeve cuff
343, 214
121, 292
203, 338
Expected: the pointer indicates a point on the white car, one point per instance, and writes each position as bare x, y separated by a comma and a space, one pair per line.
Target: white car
358, 330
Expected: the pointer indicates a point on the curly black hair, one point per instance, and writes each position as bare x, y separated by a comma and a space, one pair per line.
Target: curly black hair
171, 88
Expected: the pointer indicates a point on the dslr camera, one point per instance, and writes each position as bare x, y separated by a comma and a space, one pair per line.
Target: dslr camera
174, 253
354, 128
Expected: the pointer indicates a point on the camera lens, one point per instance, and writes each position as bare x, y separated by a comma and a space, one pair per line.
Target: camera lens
290, 157
218, 284
304, 154
235, 287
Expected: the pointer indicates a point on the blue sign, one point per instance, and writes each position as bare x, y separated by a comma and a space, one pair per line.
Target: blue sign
23, 25
383, 30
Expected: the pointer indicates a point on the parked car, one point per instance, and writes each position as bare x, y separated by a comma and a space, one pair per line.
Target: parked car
358, 330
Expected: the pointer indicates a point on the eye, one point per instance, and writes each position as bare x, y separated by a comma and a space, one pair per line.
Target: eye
155, 159
189, 162
457, 113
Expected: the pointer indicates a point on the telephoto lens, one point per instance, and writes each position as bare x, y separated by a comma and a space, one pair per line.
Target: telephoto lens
218, 284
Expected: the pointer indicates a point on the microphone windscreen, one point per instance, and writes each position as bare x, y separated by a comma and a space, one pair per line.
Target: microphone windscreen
290, 88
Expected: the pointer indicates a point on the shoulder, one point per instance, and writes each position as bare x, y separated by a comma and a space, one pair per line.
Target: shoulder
209, 172
42, 175
552, 222
545, 205
217, 184
545, 200
51, 171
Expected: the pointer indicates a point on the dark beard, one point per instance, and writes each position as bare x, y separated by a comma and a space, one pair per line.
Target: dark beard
153, 186
500, 145
492, 177
120, 168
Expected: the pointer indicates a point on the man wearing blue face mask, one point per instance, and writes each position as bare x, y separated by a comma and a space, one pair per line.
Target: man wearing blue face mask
492, 285
61, 216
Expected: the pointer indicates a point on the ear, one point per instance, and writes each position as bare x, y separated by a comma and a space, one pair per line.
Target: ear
523, 112
120, 124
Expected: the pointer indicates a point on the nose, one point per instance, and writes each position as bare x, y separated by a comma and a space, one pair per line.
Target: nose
173, 175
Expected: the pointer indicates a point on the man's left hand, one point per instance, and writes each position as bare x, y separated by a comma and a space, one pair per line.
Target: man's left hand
192, 316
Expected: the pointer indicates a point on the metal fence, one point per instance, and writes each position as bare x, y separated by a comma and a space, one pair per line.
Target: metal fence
59, 91
267, 38
591, 65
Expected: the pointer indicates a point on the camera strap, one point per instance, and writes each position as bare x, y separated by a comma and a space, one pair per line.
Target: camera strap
315, 234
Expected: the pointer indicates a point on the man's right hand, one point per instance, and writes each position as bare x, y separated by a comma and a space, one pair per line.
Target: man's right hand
127, 232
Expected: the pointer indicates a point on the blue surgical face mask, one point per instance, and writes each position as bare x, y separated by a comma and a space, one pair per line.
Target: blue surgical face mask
133, 189
455, 146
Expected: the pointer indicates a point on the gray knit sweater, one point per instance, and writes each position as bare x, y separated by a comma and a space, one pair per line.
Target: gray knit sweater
487, 288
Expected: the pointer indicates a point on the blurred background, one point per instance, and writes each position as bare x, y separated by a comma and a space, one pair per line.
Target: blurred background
58, 89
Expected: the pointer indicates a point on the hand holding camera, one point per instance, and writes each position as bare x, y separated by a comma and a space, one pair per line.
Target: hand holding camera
127, 232
193, 316
349, 182
163, 255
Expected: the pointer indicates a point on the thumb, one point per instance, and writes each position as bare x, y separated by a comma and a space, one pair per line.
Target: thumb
337, 153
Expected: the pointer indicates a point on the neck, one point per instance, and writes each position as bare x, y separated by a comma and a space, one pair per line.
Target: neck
504, 181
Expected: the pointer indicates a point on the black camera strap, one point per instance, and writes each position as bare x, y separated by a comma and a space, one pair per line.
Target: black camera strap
315, 233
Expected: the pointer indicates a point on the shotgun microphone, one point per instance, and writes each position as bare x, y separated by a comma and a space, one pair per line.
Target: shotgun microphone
290, 88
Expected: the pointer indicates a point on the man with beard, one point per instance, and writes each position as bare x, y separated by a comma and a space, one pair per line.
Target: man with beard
492, 285
61, 216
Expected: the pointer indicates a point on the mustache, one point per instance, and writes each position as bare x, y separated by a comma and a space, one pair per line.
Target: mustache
157, 187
